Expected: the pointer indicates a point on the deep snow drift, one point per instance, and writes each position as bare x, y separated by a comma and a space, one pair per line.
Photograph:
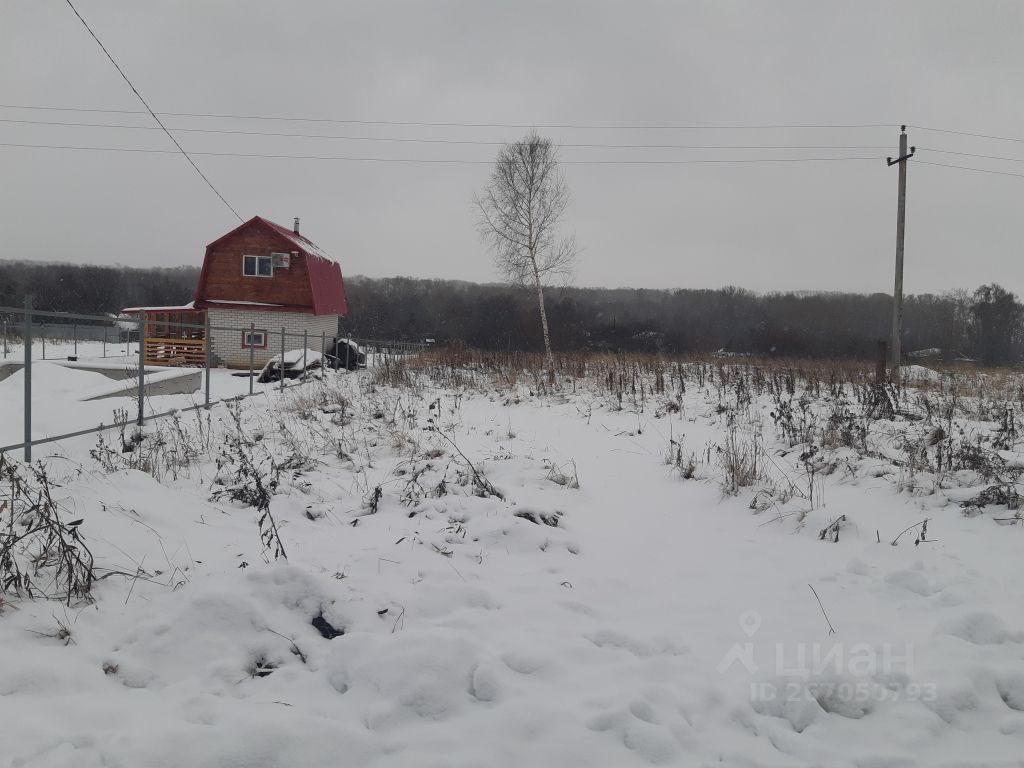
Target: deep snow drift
485, 576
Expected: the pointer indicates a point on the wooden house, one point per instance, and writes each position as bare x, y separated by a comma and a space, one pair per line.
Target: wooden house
257, 280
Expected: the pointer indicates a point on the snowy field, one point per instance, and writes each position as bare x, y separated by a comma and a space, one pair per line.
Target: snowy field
61, 349
641, 564
59, 395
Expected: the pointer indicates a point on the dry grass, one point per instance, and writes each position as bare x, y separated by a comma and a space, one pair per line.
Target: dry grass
638, 375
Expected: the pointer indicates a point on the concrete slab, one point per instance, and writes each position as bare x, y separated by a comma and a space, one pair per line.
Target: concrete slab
173, 381
125, 369
8, 368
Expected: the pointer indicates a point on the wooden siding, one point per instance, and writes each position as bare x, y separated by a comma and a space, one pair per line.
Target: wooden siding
222, 277
174, 338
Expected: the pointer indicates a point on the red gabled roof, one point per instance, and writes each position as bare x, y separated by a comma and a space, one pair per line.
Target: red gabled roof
300, 242
326, 284
328, 287
325, 279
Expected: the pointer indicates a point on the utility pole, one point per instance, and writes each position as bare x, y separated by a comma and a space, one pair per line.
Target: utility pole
27, 346
901, 223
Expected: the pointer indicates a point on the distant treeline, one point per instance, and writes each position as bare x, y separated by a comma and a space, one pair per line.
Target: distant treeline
91, 290
985, 325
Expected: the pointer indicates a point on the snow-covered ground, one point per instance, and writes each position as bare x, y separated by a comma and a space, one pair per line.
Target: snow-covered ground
61, 349
567, 579
60, 398
59, 394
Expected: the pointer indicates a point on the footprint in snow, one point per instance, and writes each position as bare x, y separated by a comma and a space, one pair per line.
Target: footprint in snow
858, 567
610, 638
640, 729
912, 581
1011, 689
523, 663
979, 628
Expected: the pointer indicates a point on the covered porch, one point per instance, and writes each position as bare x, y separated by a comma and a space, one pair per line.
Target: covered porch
173, 336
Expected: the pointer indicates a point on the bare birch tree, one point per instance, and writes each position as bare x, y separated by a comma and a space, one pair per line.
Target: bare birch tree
518, 215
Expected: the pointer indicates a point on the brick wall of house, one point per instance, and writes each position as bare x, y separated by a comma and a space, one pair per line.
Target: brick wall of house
227, 346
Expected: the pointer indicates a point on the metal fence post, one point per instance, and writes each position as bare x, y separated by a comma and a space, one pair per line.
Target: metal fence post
140, 419
28, 378
74, 332
252, 353
348, 349
104, 341
323, 349
305, 343
5, 338
282, 358
209, 343
42, 333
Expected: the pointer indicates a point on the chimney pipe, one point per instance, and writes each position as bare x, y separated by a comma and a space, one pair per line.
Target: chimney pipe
295, 229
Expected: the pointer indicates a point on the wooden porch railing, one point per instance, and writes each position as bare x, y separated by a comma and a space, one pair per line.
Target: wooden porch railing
186, 352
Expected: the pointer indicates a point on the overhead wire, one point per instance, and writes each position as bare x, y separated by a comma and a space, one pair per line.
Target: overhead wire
151, 112
574, 126
971, 154
423, 123
474, 142
967, 133
437, 160
470, 142
968, 168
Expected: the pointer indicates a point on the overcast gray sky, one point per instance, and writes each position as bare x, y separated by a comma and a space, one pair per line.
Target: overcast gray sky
769, 226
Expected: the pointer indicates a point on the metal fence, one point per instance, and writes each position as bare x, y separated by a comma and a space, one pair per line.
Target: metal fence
74, 338
60, 335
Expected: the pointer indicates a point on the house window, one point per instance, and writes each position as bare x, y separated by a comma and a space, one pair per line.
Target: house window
257, 266
254, 339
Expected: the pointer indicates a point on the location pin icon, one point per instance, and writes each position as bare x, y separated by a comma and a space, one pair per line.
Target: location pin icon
750, 622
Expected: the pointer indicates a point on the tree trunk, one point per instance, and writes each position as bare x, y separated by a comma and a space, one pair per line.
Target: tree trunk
549, 358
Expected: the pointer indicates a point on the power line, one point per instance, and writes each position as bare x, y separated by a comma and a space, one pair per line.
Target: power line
440, 161
574, 126
968, 168
430, 141
968, 154
151, 112
968, 133
421, 123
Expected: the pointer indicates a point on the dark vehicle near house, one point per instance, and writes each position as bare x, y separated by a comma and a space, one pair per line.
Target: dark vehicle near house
345, 353
297, 363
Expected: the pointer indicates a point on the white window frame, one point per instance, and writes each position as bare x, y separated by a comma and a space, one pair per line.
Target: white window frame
257, 261
249, 335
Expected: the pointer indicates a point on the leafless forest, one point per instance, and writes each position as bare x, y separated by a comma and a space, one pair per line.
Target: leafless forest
984, 324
